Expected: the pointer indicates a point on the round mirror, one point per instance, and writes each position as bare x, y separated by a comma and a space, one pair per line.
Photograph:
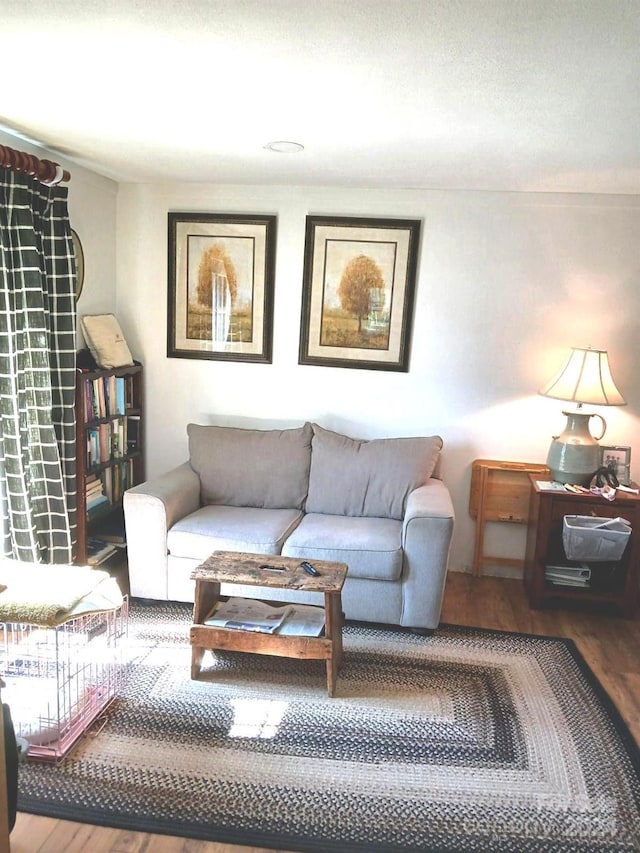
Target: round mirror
77, 245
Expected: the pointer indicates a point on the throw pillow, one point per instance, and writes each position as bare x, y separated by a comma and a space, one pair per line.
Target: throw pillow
367, 478
251, 467
104, 338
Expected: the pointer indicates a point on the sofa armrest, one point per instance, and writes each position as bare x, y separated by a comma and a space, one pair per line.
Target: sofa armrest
426, 539
150, 510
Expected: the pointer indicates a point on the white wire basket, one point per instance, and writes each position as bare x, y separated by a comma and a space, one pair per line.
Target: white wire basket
593, 539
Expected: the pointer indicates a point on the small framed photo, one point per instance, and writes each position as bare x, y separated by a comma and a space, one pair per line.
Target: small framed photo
618, 459
358, 291
221, 281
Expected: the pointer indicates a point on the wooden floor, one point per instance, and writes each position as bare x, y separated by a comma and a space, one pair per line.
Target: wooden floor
610, 645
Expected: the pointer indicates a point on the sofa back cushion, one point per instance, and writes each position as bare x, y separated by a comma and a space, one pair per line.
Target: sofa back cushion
367, 478
251, 467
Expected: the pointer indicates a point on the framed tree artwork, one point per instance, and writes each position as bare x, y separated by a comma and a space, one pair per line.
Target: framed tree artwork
221, 279
358, 292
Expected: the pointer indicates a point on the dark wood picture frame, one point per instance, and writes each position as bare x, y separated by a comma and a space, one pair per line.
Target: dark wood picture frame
618, 458
358, 294
221, 276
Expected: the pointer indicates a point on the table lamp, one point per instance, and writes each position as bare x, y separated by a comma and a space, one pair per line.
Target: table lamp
574, 456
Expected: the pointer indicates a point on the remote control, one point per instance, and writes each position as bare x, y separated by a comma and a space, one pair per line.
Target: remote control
309, 569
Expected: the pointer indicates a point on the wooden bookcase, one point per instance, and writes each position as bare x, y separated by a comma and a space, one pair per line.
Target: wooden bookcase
109, 451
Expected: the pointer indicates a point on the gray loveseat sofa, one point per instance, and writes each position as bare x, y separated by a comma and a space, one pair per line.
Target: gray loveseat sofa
377, 505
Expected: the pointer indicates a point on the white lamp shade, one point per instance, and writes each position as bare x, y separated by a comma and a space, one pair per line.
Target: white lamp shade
585, 378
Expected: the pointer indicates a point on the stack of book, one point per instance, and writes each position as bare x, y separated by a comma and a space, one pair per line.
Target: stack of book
579, 576
94, 494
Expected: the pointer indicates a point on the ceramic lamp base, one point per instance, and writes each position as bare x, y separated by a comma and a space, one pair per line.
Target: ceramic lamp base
574, 456
573, 463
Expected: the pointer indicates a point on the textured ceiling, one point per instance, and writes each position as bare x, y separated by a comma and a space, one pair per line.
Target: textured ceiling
458, 94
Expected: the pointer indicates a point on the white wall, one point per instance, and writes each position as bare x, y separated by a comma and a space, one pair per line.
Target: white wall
506, 283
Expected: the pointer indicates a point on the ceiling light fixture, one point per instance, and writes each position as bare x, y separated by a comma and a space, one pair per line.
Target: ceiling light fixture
284, 147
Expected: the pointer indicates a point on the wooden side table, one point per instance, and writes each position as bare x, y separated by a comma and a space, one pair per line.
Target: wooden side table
500, 491
239, 568
614, 584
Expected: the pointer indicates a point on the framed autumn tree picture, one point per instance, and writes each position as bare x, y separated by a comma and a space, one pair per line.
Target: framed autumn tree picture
358, 292
221, 280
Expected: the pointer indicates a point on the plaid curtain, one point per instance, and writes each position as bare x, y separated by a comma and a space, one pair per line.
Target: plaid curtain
37, 371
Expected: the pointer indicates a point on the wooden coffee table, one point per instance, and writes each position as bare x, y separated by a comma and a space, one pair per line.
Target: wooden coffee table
237, 568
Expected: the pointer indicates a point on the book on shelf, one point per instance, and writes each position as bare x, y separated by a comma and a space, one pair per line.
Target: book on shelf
89, 403
99, 551
121, 406
133, 433
97, 510
112, 529
118, 427
247, 614
129, 392
96, 500
104, 442
100, 406
111, 392
93, 488
579, 576
108, 483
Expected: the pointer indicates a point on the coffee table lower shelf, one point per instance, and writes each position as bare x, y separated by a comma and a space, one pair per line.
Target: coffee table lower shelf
204, 637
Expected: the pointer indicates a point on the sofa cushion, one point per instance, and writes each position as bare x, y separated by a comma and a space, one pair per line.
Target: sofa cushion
367, 478
371, 547
251, 468
231, 528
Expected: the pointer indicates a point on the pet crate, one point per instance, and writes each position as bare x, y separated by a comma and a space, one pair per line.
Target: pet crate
59, 680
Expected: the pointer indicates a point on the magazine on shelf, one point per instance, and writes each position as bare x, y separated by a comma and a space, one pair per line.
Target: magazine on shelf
575, 582
303, 620
581, 571
568, 575
550, 486
247, 614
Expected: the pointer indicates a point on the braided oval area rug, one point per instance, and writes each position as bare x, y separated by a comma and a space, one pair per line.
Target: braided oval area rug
468, 740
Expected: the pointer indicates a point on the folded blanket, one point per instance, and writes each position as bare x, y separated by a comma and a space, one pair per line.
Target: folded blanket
42, 594
106, 596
